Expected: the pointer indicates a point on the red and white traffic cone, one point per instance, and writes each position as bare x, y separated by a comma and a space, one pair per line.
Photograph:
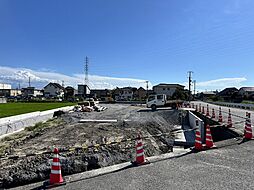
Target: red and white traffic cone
203, 110
56, 175
209, 139
213, 114
140, 155
230, 124
207, 110
198, 141
55, 178
220, 115
248, 130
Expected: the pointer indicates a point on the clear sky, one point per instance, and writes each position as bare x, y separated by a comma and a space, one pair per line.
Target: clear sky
152, 40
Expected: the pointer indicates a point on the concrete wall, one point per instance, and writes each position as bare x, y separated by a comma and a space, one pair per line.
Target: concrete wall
192, 122
234, 105
12, 124
3, 100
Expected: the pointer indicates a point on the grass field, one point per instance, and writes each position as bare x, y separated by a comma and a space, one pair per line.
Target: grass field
11, 109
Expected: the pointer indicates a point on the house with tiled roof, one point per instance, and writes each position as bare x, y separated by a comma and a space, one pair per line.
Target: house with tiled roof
246, 91
54, 90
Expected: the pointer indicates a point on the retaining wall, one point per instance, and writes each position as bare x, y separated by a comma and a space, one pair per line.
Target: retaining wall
192, 122
15, 123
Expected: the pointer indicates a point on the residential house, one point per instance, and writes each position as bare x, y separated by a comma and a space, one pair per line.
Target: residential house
140, 94
123, 94
168, 89
246, 92
31, 92
54, 90
83, 90
228, 94
116, 93
100, 93
126, 93
206, 95
7, 91
70, 92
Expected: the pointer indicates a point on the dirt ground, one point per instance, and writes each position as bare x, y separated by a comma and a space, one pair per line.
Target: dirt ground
67, 132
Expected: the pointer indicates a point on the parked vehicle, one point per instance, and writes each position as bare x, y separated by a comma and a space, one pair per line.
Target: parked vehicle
160, 100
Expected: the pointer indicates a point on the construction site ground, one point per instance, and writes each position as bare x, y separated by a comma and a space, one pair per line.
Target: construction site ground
229, 166
66, 132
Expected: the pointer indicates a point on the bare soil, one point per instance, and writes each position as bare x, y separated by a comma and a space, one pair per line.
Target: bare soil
67, 132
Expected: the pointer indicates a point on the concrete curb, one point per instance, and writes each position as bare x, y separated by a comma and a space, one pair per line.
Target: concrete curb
12, 124
178, 152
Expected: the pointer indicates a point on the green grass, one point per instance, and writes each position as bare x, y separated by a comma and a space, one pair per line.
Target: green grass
11, 109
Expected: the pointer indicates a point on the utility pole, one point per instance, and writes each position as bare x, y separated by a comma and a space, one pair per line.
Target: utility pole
86, 71
147, 89
62, 83
190, 80
194, 84
29, 81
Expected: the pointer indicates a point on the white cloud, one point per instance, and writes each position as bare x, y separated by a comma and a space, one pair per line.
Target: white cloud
220, 83
39, 79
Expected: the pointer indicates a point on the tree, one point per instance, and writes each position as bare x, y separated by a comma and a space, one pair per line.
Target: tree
179, 94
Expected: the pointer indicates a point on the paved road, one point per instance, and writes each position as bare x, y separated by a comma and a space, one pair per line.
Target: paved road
230, 167
238, 115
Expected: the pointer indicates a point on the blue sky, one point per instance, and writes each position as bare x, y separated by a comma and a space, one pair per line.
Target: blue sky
150, 40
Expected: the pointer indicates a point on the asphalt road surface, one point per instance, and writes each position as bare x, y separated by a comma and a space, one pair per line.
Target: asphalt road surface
238, 115
230, 166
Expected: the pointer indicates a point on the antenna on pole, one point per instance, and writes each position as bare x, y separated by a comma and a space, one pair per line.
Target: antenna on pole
86, 71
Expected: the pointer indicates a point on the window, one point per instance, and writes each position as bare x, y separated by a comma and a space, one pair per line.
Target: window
151, 98
163, 88
159, 97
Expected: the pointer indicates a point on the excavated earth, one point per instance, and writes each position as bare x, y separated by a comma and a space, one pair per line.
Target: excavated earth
66, 132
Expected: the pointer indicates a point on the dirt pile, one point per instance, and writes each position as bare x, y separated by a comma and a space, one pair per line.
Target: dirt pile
66, 132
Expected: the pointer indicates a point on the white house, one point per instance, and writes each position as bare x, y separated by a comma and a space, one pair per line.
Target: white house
167, 89
54, 90
125, 93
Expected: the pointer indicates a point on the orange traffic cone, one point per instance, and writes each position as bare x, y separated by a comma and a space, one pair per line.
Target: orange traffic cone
209, 138
213, 114
207, 110
248, 129
203, 110
220, 115
198, 141
229, 119
140, 155
56, 176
